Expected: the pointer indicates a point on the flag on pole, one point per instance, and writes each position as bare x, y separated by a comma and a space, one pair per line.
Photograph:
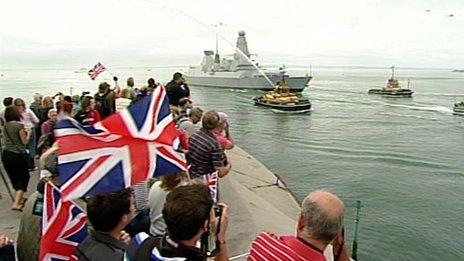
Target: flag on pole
63, 226
124, 149
96, 70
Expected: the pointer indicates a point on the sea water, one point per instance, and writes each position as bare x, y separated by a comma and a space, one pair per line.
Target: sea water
402, 157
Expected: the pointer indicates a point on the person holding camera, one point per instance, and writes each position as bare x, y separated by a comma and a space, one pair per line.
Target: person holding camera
177, 89
190, 217
222, 133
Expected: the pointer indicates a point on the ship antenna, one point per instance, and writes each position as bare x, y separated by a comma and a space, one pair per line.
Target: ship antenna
216, 56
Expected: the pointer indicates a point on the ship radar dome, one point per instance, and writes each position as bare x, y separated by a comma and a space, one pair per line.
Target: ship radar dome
241, 33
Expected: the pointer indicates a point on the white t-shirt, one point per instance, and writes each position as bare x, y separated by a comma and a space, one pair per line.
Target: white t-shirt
156, 200
29, 119
122, 103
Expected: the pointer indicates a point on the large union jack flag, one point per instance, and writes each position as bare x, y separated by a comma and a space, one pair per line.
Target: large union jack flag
63, 227
122, 150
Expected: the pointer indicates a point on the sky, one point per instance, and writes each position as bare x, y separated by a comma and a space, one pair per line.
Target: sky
54, 33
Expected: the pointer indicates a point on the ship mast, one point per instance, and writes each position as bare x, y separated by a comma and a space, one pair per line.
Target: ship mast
216, 55
393, 72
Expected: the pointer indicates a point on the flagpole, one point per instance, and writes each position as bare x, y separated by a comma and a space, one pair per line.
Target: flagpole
106, 69
109, 72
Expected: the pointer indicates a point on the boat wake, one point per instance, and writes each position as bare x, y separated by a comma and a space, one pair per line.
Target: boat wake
409, 116
435, 108
440, 94
290, 112
317, 88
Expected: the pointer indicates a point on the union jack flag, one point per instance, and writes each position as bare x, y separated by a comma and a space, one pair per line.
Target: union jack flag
96, 70
122, 150
63, 227
211, 180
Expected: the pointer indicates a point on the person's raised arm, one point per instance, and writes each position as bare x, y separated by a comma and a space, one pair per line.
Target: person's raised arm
222, 236
223, 171
231, 143
340, 248
25, 135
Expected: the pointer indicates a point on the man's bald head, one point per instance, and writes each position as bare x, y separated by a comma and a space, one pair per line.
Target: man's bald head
323, 213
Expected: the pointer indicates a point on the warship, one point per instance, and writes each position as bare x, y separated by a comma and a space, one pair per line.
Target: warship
239, 71
393, 88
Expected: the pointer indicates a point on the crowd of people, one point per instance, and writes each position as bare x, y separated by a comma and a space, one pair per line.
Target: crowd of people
173, 216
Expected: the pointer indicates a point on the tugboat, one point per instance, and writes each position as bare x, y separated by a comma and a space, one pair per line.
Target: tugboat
283, 100
459, 108
393, 88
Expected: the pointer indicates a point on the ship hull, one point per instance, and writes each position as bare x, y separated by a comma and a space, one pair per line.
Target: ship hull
295, 84
301, 106
392, 93
458, 110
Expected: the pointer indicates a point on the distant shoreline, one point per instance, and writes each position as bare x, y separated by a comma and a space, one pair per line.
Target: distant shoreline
180, 66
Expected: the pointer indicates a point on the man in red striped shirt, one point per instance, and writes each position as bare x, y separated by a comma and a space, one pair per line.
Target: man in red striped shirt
320, 224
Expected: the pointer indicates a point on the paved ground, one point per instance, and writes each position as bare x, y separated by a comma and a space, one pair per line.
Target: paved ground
257, 203
9, 220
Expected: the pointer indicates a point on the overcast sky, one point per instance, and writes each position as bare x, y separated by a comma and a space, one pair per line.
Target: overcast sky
157, 33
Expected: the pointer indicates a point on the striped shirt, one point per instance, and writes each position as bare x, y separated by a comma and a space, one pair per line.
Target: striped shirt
141, 195
268, 247
205, 153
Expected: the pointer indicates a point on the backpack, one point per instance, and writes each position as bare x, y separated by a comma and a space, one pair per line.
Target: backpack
102, 105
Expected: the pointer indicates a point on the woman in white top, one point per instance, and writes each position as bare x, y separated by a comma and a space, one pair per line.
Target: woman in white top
29, 121
124, 100
156, 198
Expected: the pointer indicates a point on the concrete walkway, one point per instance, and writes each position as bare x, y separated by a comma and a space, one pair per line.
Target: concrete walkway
9, 219
256, 203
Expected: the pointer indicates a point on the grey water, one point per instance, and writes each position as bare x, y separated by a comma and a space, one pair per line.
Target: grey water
402, 157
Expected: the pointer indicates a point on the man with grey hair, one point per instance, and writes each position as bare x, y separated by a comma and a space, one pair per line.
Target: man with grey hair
36, 105
320, 223
206, 157
205, 153
188, 122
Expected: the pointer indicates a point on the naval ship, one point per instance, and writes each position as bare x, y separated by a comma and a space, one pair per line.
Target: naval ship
238, 72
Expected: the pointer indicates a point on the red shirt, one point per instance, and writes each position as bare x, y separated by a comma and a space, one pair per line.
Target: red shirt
268, 247
93, 116
223, 141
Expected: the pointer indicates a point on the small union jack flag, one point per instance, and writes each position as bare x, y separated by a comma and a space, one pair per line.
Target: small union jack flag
63, 227
211, 180
96, 70
124, 149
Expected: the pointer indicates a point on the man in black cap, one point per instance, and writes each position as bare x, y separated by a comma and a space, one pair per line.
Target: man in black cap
104, 100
